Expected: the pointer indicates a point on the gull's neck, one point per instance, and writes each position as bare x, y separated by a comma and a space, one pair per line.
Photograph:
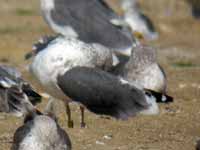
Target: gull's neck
47, 4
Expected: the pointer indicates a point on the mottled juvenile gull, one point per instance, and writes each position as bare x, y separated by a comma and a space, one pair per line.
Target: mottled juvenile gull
40, 131
142, 69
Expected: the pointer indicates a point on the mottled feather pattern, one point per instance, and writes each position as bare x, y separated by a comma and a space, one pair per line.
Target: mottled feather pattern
40, 131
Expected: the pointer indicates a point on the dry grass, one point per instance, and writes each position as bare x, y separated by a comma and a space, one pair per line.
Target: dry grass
177, 127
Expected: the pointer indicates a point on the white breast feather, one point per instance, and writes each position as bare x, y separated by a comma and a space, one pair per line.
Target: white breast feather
60, 56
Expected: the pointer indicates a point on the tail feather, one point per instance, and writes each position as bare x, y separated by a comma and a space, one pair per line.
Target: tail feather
160, 98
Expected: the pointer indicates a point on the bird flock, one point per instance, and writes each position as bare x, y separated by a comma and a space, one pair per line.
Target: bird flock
96, 59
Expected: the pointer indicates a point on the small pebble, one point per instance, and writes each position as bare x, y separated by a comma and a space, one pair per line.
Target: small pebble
108, 137
45, 95
182, 85
100, 143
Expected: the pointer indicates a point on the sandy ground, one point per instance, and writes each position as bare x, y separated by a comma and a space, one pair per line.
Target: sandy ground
177, 127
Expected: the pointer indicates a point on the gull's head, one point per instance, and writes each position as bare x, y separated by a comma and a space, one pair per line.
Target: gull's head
138, 35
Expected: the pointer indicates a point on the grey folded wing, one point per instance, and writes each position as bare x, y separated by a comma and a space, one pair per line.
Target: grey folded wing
102, 93
91, 20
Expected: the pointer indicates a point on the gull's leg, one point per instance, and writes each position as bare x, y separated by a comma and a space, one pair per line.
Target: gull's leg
82, 117
7, 109
68, 111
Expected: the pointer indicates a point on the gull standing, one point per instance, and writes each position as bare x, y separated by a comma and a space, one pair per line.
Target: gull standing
71, 70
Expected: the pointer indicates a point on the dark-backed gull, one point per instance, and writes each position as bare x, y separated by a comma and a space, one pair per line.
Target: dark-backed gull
14, 90
92, 21
72, 70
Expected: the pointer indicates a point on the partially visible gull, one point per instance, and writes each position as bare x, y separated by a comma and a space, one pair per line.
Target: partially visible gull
14, 90
139, 23
142, 69
198, 145
195, 6
55, 56
40, 131
71, 70
91, 21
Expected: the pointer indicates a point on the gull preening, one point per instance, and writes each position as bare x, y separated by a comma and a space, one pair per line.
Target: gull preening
71, 70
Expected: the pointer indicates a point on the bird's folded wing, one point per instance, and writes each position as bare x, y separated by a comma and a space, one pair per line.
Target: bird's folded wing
102, 93
91, 20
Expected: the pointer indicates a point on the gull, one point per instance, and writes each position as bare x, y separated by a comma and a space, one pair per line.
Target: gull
74, 71
139, 23
141, 68
40, 131
91, 21
13, 90
195, 6
198, 145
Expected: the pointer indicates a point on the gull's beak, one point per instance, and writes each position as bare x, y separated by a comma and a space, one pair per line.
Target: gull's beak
138, 35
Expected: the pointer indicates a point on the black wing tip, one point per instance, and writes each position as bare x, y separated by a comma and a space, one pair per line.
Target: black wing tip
160, 97
169, 99
34, 97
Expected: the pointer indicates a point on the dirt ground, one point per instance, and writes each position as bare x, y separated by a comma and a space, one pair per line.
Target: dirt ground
177, 127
